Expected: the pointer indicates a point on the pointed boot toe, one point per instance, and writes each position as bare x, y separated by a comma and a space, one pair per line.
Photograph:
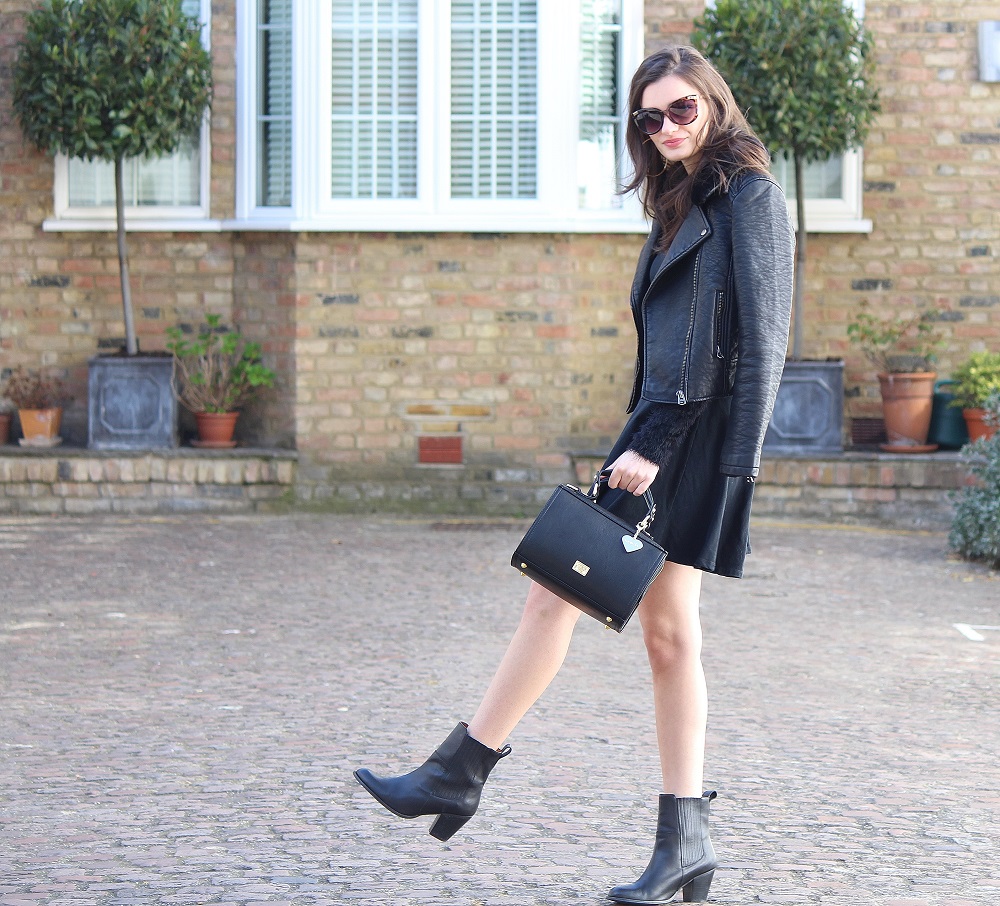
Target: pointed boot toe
449, 784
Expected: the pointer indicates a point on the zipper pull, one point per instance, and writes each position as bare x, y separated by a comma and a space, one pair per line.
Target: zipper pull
681, 398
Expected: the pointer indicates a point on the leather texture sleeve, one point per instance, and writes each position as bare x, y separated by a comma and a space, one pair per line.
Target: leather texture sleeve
763, 277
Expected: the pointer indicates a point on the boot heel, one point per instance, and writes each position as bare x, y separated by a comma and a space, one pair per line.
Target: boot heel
696, 890
446, 825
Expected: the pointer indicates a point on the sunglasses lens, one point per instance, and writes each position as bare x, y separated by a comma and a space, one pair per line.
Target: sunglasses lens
649, 122
683, 112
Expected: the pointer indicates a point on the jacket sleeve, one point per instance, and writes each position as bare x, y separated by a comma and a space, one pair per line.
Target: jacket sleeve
763, 275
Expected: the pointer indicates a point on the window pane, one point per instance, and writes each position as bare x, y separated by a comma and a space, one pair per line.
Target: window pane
274, 103
171, 180
822, 179
374, 99
494, 98
599, 149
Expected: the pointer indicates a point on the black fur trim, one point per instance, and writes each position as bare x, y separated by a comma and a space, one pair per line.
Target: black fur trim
664, 429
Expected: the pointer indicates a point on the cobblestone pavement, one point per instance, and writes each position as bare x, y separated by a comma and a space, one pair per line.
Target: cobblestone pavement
182, 701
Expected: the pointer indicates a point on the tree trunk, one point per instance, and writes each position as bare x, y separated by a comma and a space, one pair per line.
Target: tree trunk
800, 260
131, 344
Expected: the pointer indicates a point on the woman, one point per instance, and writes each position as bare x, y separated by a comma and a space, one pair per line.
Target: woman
711, 300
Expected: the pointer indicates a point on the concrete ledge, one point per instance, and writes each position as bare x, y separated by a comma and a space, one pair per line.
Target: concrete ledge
74, 481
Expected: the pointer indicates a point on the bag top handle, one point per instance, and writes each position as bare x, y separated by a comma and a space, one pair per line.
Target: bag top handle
647, 495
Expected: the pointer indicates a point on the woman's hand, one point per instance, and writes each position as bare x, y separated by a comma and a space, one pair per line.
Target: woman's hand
631, 472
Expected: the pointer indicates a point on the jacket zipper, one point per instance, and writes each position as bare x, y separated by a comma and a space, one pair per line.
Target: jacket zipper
720, 334
686, 363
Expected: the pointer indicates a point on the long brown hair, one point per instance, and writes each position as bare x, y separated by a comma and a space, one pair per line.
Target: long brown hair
728, 143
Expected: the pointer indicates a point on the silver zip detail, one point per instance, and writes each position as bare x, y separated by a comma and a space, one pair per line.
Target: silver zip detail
681, 398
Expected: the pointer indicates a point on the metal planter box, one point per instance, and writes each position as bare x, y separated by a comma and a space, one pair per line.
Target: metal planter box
808, 414
131, 403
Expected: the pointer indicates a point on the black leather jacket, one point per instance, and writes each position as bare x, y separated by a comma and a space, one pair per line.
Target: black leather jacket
714, 320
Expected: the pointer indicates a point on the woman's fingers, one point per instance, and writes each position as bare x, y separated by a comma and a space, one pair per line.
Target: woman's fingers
632, 473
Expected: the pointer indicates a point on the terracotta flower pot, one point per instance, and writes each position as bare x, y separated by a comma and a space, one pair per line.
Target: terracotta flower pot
40, 427
4, 428
907, 400
975, 421
215, 429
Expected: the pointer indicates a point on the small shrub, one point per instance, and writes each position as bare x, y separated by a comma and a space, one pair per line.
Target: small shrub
217, 369
895, 343
975, 379
975, 529
33, 390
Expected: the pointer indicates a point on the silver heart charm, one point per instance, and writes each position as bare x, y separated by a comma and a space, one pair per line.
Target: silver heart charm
631, 544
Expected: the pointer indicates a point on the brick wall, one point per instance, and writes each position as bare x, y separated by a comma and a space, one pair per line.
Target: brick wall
520, 346
264, 309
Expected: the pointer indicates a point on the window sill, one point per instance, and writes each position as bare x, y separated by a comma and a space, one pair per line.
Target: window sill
835, 224
381, 224
406, 224
145, 225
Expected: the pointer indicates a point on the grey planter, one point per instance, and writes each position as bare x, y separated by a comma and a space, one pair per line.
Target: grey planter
808, 414
131, 403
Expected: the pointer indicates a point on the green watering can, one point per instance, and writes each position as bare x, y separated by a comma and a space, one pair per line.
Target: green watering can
947, 428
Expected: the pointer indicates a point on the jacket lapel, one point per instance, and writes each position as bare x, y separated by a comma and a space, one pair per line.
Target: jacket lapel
641, 281
695, 230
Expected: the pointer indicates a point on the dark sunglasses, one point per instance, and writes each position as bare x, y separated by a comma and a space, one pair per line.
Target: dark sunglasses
681, 112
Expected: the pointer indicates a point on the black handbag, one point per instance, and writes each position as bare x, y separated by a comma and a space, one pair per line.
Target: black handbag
588, 556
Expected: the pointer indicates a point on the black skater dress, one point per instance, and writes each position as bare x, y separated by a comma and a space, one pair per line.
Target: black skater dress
702, 516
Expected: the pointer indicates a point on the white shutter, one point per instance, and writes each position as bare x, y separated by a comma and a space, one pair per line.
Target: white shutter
274, 103
494, 99
171, 180
374, 99
821, 179
601, 104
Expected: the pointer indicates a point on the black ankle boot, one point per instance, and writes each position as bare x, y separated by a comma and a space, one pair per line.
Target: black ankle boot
682, 855
448, 784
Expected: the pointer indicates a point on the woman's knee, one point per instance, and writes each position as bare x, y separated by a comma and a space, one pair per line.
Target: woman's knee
671, 623
542, 608
670, 646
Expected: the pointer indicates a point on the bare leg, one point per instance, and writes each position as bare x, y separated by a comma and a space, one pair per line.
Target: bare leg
671, 628
533, 658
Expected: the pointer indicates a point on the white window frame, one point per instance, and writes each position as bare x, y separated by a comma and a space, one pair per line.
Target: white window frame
837, 215
141, 217
846, 213
555, 209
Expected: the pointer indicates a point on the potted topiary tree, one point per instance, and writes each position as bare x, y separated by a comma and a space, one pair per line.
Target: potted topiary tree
110, 80
803, 71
